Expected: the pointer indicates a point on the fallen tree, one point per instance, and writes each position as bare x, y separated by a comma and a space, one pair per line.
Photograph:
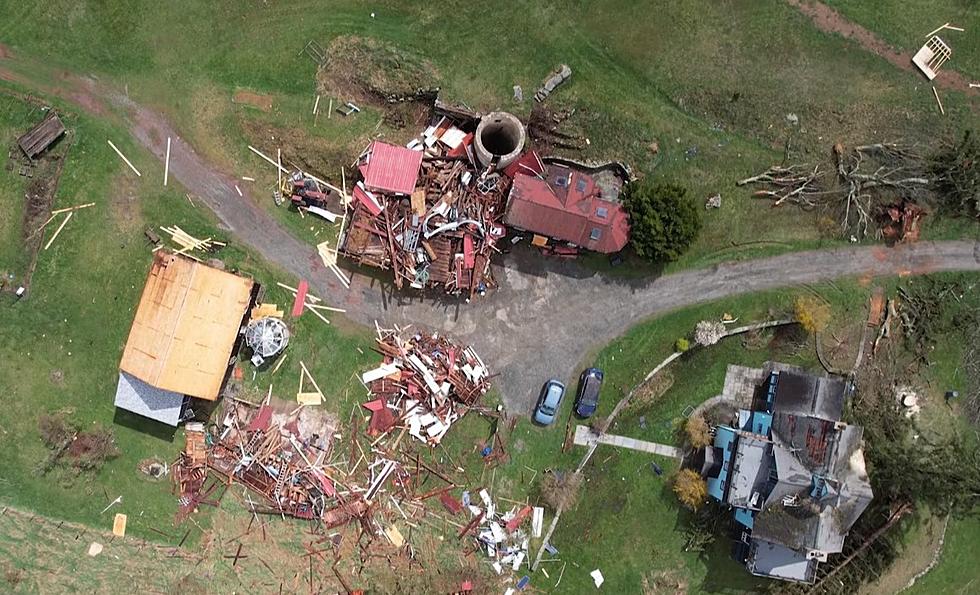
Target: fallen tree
868, 182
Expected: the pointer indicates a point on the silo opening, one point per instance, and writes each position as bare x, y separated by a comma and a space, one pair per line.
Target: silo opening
500, 137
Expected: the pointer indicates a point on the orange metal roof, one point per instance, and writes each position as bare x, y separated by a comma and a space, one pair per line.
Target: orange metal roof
185, 326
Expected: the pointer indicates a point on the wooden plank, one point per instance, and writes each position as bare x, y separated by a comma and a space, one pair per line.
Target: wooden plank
75, 208
119, 525
300, 298
128, 162
166, 164
57, 231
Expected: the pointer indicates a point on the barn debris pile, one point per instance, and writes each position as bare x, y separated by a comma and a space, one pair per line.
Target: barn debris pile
429, 211
286, 458
425, 384
501, 536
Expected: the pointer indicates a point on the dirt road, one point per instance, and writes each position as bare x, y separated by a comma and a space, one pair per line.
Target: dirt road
547, 315
829, 20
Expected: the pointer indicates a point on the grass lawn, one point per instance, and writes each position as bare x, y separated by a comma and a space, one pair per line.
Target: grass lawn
904, 25
696, 77
957, 568
61, 346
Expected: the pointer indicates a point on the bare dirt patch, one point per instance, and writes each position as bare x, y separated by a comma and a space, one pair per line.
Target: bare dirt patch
124, 200
5, 52
372, 71
256, 100
829, 20
40, 199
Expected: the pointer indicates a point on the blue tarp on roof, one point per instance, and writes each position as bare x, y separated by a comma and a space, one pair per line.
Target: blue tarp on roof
761, 423
745, 516
725, 440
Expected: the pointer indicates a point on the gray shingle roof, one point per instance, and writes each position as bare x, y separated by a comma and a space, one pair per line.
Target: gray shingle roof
132, 394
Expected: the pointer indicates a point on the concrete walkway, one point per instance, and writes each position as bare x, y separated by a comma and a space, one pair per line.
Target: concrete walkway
584, 436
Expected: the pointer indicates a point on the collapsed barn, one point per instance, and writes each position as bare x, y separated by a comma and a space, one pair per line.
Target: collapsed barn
433, 210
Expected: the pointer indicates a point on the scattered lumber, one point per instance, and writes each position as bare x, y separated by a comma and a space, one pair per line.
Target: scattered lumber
58, 231
128, 162
188, 243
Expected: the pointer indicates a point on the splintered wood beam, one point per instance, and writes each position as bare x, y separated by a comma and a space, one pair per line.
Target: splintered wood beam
166, 164
58, 231
473, 523
128, 162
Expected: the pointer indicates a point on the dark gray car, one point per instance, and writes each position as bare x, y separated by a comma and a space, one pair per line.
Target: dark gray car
587, 399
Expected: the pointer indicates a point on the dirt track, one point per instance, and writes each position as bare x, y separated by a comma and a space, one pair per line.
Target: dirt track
829, 20
548, 315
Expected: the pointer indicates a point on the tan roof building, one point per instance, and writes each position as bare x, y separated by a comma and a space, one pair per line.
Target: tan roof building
185, 326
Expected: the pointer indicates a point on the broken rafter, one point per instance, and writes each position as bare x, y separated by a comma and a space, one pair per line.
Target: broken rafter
58, 231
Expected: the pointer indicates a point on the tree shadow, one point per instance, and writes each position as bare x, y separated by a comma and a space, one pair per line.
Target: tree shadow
530, 261
724, 573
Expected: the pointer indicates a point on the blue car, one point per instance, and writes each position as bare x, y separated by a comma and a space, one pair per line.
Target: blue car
548, 402
587, 398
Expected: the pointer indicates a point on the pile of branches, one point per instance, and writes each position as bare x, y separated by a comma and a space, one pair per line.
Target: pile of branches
956, 169
869, 173
867, 180
795, 184
933, 309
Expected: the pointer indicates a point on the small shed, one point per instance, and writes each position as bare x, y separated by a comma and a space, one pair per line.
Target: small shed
36, 140
186, 326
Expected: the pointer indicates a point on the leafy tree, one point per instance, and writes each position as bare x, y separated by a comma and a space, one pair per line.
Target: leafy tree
682, 344
663, 220
813, 314
697, 432
690, 488
956, 172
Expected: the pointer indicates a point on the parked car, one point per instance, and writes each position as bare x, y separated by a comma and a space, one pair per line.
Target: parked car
587, 398
548, 402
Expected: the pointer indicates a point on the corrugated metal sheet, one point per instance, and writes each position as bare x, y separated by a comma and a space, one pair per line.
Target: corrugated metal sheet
391, 168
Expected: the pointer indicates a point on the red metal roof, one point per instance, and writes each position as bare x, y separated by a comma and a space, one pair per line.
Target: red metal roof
390, 168
528, 163
567, 205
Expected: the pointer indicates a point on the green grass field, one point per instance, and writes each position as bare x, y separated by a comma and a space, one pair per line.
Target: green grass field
696, 77
13, 119
711, 83
61, 346
904, 25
